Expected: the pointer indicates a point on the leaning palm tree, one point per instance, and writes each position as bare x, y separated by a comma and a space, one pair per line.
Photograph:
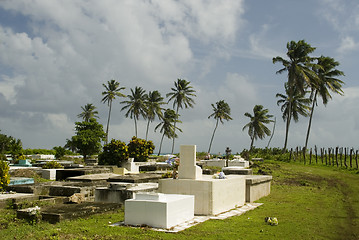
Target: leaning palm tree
293, 104
136, 105
88, 112
112, 91
181, 95
327, 73
221, 111
153, 103
298, 68
167, 126
256, 126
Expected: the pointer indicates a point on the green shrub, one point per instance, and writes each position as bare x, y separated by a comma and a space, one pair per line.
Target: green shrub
52, 165
114, 153
4, 175
140, 149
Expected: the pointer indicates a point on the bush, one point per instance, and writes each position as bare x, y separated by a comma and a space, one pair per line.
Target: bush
52, 165
4, 175
114, 153
140, 149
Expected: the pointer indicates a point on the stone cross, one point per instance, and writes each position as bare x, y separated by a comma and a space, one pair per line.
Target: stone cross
187, 168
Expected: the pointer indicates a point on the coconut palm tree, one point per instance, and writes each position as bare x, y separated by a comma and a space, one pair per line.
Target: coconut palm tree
88, 112
293, 104
153, 103
136, 105
181, 95
299, 70
167, 126
112, 91
256, 126
327, 73
221, 111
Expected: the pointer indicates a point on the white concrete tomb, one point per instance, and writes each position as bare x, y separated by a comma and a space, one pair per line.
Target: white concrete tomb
212, 196
159, 210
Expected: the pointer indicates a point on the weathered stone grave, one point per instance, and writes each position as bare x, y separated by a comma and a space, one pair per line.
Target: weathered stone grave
137, 178
118, 192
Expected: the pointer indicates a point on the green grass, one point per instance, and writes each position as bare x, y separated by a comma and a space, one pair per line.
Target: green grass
310, 202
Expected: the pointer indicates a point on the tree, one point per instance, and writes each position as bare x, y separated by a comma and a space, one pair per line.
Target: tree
153, 105
221, 111
293, 104
15, 148
167, 126
299, 69
87, 140
112, 91
181, 95
88, 112
327, 73
60, 151
140, 149
136, 105
114, 153
4, 143
256, 126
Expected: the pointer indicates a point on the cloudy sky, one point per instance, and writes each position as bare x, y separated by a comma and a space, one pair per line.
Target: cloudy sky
55, 56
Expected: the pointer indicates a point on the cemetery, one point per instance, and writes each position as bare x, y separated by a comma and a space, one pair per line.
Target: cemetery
151, 199
147, 198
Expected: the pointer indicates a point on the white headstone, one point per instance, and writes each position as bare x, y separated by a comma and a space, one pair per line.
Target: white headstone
187, 167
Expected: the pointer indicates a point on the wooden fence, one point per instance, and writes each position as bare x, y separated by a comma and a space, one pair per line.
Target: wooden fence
338, 156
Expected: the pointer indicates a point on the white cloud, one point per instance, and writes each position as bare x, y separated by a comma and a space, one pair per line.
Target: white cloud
348, 45
8, 87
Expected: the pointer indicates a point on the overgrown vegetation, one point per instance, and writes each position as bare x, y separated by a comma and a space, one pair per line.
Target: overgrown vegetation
4, 175
114, 153
52, 165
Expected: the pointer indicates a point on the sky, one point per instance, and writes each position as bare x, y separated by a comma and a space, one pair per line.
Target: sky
55, 56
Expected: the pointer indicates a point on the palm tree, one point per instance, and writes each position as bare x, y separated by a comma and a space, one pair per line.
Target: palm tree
181, 95
300, 74
88, 112
256, 126
221, 111
327, 74
153, 102
294, 104
167, 126
136, 105
112, 91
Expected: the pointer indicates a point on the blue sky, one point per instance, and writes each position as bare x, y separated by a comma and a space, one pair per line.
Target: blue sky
55, 55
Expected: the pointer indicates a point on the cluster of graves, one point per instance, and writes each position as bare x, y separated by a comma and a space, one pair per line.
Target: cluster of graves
147, 197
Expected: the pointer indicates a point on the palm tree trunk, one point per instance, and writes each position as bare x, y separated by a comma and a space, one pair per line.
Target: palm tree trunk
252, 141
310, 118
159, 151
135, 126
174, 131
288, 122
275, 121
108, 120
148, 125
214, 131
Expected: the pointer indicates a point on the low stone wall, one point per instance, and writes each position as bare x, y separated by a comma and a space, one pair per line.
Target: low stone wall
257, 186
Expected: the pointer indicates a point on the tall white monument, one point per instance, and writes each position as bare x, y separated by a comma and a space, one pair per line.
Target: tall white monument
188, 168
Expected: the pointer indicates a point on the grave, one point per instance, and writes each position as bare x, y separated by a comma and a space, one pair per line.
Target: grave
222, 163
159, 210
237, 171
212, 196
20, 181
257, 186
119, 192
92, 177
131, 166
62, 174
57, 213
137, 178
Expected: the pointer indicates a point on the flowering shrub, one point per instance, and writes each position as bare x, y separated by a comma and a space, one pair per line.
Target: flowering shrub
140, 149
4, 175
52, 165
114, 153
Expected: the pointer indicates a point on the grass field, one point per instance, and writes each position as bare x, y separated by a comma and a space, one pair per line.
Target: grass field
310, 202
